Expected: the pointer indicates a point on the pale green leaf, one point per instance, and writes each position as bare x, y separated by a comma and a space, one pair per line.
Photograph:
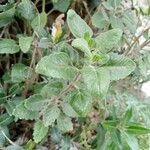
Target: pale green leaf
119, 66
67, 48
14, 147
5, 119
40, 131
4, 131
107, 5
64, 123
22, 112
8, 46
20, 73
129, 21
77, 25
6, 17
130, 140
35, 102
82, 45
26, 10
115, 3
99, 20
106, 41
62, 5
81, 102
50, 115
25, 43
116, 22
68, 110
51, 89
97, 80
56, 65
39, 21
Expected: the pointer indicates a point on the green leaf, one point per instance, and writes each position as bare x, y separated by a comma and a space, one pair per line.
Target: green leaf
77, 25
108, 6
51, 89
8, 46
110, 124
15, 89
67, 48
14, 147
25, 43
22, 112
82, 45
56, 135
3, 131
81, 102
127, 116
101, 138
66, 144
97, 78
26, 10
62, 5
137, 129
130, 140
30, 145
35, 102
129, 21
10, 105
5, 119
116, 138
50, 115
115, 3
39, 21
6, 17
116, 22
20, 73
100, 58
56, 65
64, 123
106, 41
119, 66
40, 131
68, 110
99, 20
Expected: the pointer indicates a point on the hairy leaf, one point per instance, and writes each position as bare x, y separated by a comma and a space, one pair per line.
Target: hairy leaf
8, 46
25, 43
77, 25
35, 102
97, 80
40, 131
26, 10
106, 41
99, 20
20, 73
81, 44
22, 112
119, 66
64, 123
6, 17
56, 65
39, 21
130, 140
81, 102
50, 115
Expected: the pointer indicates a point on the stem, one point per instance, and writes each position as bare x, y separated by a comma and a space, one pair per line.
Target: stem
68, 88
43, 5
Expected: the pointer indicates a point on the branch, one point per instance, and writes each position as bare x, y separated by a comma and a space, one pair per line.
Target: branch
56, 99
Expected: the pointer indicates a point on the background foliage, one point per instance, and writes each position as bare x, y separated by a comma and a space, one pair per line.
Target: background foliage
71, 73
